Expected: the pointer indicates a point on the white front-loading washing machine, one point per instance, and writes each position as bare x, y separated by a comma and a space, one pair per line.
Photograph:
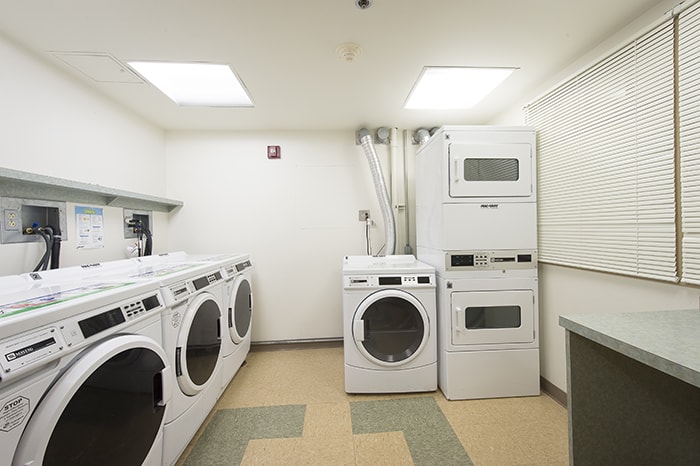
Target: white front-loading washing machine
84, 378
236, 305
238, 309
191, 334
389, 325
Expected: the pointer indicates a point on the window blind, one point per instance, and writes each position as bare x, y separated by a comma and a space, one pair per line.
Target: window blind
606, 163
689, 135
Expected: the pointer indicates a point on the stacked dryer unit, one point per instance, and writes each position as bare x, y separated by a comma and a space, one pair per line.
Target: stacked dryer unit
476, 219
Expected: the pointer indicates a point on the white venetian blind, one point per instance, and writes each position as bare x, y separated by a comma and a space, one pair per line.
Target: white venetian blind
689, 117
606, 163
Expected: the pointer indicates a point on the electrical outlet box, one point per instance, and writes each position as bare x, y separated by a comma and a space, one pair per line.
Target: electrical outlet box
20, 214
363, 215
146, 217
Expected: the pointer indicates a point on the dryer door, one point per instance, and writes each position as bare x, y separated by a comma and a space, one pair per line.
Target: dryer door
199, 344
240, 309
493, 317
105, 408
390, 327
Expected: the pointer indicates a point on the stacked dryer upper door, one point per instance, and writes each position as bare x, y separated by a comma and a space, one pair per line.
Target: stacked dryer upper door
106, 408
391, 328
198, 343
490, 170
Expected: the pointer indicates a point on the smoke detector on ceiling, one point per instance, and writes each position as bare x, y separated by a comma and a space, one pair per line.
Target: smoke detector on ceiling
349, 52
363, 4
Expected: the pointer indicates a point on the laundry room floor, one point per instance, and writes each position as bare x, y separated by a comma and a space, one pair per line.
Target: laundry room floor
290, 407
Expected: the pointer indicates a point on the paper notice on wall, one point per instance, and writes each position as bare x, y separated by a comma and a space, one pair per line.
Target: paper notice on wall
89, 224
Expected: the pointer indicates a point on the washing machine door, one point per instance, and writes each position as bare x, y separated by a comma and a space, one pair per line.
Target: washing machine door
105, 408
390, 327
199, 344
240, 309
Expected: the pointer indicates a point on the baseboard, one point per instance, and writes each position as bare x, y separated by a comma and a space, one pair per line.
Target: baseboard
553, 391
295, 344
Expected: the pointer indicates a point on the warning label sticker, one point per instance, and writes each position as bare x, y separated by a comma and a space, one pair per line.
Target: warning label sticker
13, 413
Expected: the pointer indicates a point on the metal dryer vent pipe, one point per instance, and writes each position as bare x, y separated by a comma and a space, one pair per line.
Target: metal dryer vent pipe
380, 188
422, 135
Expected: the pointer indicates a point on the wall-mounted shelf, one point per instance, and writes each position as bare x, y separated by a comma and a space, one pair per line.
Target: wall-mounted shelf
15, 183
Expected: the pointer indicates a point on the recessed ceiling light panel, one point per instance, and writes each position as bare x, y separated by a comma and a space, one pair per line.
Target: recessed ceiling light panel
453, 87
195, 84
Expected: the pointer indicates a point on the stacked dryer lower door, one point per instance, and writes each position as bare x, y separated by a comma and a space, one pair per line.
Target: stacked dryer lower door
238, 307
488, 333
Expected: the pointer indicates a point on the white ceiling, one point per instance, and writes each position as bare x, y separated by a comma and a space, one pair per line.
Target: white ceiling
285, 51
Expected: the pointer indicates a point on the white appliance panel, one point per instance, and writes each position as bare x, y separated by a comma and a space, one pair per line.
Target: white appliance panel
486, 226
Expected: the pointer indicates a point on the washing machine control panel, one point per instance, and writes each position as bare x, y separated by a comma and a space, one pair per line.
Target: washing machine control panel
24, 352
30, 349
379, 281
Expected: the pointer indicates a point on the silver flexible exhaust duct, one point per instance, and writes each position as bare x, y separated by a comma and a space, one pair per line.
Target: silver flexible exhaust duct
380, 187
421, 136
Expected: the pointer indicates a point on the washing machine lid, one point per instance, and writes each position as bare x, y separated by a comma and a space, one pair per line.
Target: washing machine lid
404, 263
45, 303
106, 408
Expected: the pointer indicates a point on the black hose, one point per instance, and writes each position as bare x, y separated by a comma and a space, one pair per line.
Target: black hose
56, 249
43, 262
148, 248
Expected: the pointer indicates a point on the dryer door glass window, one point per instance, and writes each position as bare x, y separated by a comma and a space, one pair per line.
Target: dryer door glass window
115, 415
393, 329
204, 342
493, 317
241, 313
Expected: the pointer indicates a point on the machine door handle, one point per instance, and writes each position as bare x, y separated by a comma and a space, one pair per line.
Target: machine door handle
459, 319
358, 329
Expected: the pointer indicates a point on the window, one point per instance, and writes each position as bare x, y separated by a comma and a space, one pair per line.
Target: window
606, 155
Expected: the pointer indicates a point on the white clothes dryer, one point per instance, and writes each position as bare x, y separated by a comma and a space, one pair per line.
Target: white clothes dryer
84, 379
389, 325
238, 298
488, 338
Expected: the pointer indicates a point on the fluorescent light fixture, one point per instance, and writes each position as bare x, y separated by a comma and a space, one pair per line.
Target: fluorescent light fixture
195, 84
453, 87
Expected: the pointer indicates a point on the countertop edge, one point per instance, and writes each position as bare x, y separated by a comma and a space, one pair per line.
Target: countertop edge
634, 352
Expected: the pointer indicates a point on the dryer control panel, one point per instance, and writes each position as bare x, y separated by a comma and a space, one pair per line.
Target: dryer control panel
491, 260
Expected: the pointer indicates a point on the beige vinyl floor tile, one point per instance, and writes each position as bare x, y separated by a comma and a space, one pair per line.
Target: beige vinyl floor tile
384, 448
501, 432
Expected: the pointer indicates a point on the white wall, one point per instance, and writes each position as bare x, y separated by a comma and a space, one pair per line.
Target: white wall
53, 125
296, 217
566, 291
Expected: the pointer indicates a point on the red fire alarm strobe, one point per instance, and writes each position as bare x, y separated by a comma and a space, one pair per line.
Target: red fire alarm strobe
273, 152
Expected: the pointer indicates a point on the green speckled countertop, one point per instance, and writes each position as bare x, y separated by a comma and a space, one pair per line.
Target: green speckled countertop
668, 341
